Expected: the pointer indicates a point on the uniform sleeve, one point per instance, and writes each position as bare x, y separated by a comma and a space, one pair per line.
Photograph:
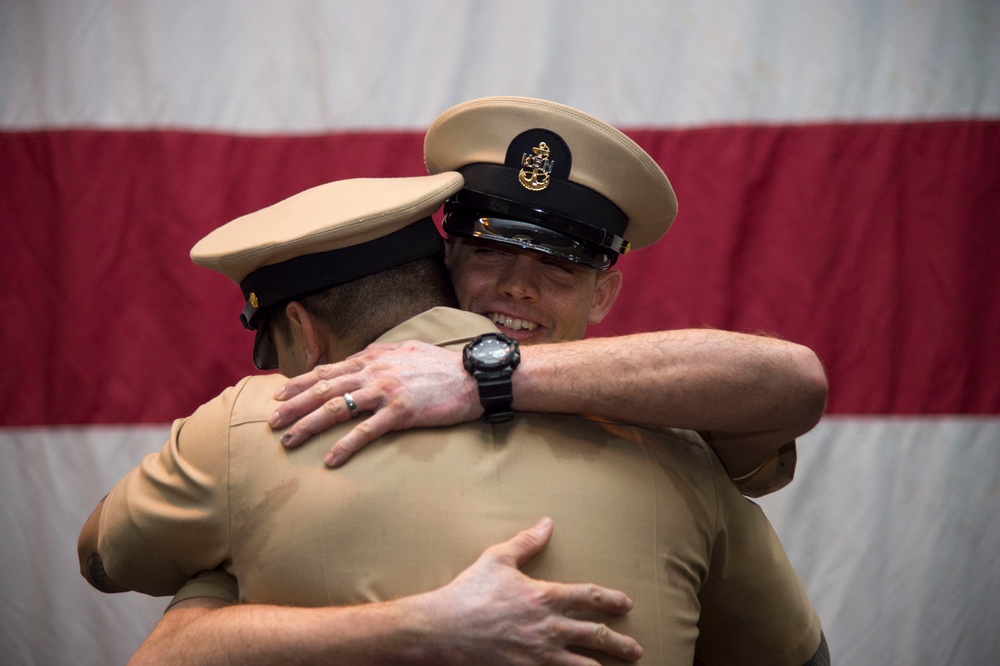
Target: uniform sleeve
776, 473
213, 584
754, 607
168, 519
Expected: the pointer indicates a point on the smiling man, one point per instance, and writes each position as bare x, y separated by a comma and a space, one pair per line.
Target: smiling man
532, 298
531, 246
683, 567
552, 198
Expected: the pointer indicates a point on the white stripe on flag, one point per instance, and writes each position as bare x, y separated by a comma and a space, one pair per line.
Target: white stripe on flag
260, 66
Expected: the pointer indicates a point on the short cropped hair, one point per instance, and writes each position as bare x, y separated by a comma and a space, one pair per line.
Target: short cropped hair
358, 312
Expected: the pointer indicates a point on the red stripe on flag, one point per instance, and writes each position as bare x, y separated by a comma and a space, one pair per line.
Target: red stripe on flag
873, 244
111, 322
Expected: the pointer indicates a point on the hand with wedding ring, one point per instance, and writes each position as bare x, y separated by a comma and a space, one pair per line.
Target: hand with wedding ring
402, 385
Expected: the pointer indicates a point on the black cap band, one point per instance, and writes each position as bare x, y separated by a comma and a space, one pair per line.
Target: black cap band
273, 285
595, 218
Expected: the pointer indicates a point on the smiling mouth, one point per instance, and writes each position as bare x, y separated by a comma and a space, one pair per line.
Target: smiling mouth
512, 323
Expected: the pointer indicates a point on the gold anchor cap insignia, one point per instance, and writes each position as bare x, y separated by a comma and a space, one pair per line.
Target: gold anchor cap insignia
254, 301
537, 168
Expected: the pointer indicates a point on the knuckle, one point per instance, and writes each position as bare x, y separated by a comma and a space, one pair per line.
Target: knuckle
305, 428
549, 596
401, 409
321, 388
601, 634
365, 429
365, 358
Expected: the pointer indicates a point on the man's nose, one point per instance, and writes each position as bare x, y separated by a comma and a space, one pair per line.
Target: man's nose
518, 280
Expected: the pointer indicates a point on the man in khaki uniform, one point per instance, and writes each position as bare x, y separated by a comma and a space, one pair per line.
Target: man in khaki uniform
653, 514
552, 197
490, 613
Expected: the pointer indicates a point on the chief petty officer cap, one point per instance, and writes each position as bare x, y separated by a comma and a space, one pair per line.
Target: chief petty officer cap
322, 237
547, 177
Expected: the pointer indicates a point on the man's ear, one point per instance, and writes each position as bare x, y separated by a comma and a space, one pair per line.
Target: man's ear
609, 285
308, 334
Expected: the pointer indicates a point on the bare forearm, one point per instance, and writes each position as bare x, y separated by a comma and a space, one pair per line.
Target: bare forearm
749, 395
734, 386
261, 634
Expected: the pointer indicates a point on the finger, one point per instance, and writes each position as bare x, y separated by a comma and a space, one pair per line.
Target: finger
305, 403
601, 638
297, 385
567, 658
518, 550
360, 436
352, 364
589, 597
329, 414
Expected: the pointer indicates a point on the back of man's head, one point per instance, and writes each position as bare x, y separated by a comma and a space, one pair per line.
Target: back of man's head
359, 311
363, 255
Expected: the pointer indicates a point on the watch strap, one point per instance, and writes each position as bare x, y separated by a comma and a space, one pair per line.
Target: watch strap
496, 393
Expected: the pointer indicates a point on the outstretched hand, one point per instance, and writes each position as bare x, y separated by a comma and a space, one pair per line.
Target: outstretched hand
403, 385
497, 615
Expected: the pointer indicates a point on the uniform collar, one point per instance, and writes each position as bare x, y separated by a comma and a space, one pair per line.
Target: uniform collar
442, 327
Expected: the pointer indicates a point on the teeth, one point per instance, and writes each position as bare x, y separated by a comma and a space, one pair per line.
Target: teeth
510, 322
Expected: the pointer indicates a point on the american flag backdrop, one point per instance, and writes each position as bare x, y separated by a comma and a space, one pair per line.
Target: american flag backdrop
837, 166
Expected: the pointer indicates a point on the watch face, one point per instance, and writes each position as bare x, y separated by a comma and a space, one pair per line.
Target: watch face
491, 351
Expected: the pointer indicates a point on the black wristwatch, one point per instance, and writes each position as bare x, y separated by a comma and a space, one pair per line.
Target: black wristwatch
491, 359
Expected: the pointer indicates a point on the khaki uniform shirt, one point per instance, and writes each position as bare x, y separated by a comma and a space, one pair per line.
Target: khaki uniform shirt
650, 513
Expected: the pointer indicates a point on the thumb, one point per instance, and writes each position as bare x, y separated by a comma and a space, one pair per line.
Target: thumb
519, 550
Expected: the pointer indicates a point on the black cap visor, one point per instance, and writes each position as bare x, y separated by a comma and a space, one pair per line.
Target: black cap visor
265, 353
528, 236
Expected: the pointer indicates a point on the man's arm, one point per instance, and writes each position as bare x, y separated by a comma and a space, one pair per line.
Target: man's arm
748, 394
91, 565
490, 614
